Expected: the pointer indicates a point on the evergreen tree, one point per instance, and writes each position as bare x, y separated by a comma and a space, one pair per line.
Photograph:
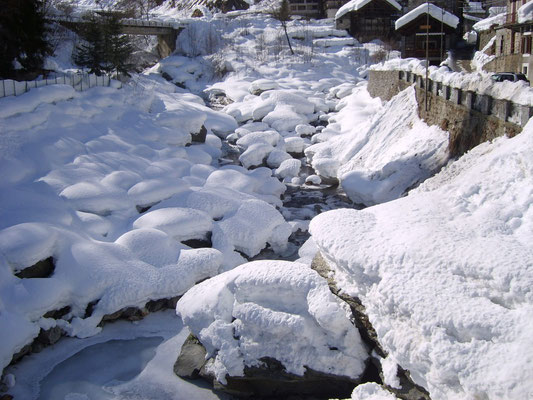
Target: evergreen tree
118, 47
91, 53
105, 48
22, 36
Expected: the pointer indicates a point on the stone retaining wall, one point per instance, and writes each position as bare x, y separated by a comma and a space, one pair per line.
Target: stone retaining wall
470, 118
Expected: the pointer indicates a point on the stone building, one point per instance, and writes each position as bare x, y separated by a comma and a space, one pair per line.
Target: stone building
512, 44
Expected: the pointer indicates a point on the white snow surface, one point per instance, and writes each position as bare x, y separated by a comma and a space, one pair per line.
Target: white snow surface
355, 5
445, 274
525, 13
76, 165
488, 23
479, 81
427, 8
379, 151
239, 322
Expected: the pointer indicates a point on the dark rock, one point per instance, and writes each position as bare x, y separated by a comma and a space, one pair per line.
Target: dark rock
272, 381
21, 353
268, 381
41, 269
161, 304
57, 314
90, 308
6, 397
199, 243
191, 359
129, 313
46, 338
366, 330
199, 137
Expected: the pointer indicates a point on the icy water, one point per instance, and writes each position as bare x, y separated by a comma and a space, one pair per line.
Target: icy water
90, 373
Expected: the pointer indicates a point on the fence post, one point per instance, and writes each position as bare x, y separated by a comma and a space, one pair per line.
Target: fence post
14, 88
4, 88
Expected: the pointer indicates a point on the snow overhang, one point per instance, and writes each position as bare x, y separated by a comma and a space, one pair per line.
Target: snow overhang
435, 12
525, 13
355, 5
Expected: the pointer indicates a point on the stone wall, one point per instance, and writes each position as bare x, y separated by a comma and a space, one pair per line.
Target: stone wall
469, 118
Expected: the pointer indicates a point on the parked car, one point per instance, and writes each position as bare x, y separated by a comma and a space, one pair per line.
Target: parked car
508, 76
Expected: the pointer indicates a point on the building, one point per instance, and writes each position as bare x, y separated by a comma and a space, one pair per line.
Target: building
366, 20
513, 40
307, 8
427, 27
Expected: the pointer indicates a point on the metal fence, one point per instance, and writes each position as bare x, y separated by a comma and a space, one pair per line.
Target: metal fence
79, 81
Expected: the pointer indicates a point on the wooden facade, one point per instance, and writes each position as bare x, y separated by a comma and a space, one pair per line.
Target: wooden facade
374, 20
437, 37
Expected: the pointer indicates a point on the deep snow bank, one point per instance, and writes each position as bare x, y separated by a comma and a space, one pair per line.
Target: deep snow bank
274, 309
446, 273
378, 151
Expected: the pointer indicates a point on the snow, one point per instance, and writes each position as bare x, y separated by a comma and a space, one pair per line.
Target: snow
525, 13
479, 81
239, 322
356, 5
450, 264
107, 183
427, 8
379, 151
371, 391
487, 23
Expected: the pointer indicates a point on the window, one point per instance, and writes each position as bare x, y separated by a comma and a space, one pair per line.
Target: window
526, 44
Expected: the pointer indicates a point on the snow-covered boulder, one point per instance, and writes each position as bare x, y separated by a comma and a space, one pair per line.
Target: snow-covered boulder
180, 223
279, 316
289, 168
254, 225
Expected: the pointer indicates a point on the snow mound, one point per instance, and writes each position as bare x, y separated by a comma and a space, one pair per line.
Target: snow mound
254, 225
180, 223
272, 309
380, 151
452, 266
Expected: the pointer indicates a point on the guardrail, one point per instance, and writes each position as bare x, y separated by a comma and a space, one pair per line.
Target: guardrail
504, 110
124, 22
79, 81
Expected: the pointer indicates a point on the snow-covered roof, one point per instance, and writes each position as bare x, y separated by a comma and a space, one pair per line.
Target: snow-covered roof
434, 11
486, 23
525, 13
355, 5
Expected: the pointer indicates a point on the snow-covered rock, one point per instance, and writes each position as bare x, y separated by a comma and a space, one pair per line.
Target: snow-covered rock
276, 310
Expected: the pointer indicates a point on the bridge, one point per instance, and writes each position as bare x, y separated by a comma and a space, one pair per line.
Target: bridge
166, 32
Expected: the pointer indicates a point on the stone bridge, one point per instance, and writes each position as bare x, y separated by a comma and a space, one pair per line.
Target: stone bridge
166, 32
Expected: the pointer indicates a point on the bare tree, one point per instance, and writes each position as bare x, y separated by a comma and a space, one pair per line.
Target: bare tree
283, 15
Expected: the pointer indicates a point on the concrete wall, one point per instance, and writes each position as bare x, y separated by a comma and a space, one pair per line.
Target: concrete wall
469, 118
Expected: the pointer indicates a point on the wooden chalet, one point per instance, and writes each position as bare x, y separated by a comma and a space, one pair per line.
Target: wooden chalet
366, 20
438, 33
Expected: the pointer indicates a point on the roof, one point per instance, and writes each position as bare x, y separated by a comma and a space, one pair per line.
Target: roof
435, 12
355, 5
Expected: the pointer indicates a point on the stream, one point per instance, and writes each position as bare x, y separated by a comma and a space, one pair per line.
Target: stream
134, 360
